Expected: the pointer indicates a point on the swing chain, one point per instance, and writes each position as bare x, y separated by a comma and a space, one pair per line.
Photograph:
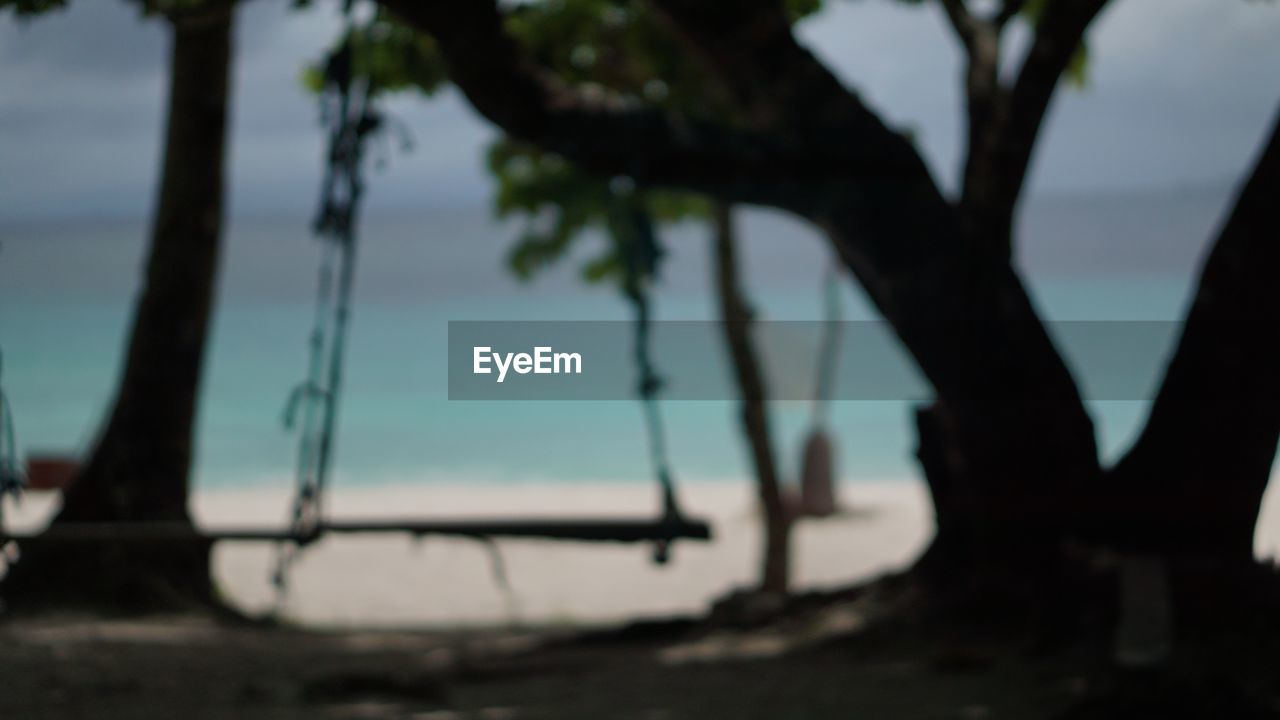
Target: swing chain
641, 254
347, 110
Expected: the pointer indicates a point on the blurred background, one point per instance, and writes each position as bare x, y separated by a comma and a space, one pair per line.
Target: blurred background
1133, 173
225, 575
1135, 170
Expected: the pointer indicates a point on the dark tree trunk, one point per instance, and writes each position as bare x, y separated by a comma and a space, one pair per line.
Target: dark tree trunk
139, 470
1194, 481
1015, 462
736, 316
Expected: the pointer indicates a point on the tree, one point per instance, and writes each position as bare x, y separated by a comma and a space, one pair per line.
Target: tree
736, 316
139, 469
1008, 446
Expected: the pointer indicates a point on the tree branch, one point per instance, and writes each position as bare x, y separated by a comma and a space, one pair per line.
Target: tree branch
1059, 35
1208, 447
1008, 11
608, 136
780, 84
1004, 123
787, 90
962, 21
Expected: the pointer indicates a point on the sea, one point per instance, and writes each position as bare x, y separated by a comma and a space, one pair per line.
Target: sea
67, 288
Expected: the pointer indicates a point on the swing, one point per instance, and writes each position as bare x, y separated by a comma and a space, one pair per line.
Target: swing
312, 405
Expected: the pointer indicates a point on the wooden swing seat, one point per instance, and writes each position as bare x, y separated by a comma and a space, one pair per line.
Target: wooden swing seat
575, 529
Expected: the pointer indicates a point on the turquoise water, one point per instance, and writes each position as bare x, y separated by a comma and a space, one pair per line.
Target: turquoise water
66, 289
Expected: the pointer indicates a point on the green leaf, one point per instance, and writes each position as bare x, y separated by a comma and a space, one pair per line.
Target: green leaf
560, 205
1077, 70
390, 55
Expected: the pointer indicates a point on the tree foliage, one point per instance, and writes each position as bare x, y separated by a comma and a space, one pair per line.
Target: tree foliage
388, 55
622, 53
560, 203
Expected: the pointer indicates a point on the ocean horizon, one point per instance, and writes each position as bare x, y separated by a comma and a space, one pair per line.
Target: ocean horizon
67, 287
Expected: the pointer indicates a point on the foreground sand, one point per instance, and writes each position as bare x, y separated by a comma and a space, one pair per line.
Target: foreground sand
828, 663
164, 669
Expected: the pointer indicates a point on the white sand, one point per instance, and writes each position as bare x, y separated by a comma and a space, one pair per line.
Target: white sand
392, 580
396, 580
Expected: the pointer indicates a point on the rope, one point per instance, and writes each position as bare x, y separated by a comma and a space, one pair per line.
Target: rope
829, 350
316, 398
498, 571
347, 110
640, 254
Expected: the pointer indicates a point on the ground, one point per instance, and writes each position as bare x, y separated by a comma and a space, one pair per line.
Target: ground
826, 662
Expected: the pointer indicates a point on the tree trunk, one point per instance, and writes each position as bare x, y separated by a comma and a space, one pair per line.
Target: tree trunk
1194, 480
736, 318
1015, 464
139, 470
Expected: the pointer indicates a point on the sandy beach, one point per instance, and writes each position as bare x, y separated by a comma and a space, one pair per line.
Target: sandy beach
396, 581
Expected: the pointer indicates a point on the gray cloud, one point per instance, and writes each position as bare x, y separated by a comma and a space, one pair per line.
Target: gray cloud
1181, 92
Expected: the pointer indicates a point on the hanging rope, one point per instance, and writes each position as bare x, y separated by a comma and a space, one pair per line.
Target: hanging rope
829, 351
817, 465
640, 255
346, 110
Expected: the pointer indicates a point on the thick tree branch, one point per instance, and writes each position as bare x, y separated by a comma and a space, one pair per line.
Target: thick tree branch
962, 21
1058, 37
1004, 123
1198, 471
607, 136
1008, 11
732, 46
780, 84
789, 92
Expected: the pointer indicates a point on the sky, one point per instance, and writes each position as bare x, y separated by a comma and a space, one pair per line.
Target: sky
1181, 93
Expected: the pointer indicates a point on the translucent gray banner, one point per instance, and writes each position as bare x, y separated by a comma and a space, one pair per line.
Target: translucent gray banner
595, 360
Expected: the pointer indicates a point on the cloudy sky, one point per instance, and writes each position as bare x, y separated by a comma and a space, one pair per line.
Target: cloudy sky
1180, 95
